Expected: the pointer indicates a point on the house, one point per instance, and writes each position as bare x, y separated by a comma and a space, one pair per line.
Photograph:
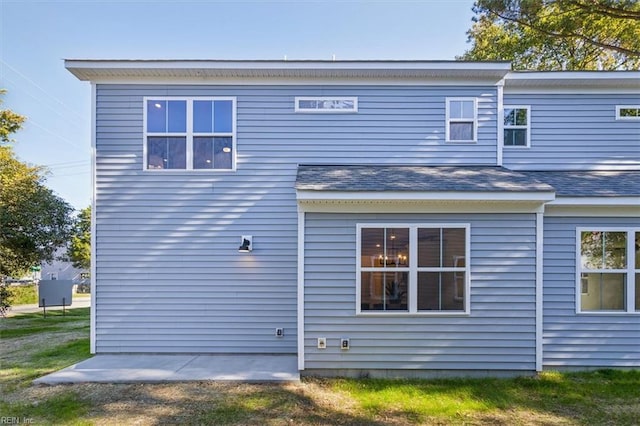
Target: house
383, 218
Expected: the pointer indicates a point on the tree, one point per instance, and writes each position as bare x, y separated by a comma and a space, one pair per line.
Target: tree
79, 251
34, 221
557, 34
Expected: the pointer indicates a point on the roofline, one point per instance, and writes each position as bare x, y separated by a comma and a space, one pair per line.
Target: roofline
533, 79
105, 69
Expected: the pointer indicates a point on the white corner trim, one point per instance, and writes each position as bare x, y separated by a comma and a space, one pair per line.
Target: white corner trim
301, 232
500, 123
539, 289
92, 309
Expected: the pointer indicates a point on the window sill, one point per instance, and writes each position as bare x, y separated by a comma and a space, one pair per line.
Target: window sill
461, 142
516, 146
616, 313
412, 314
188, 170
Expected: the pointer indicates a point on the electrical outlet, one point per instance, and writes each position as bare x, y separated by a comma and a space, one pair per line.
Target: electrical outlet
322, 343
344, 344
279, 332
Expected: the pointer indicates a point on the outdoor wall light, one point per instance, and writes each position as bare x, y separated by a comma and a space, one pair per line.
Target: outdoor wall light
246, 244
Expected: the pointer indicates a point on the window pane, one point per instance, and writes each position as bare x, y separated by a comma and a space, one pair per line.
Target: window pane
372, 247
467, 109
455, 109
509, 116
397, 247
202, 153
177, 116
441, 291
384, 291
629, 112
429, 247
156, 116
603, 250
202, 117
637, 247
638, 292
223, 154
222, 116
521, 117
515, 137
603, 292
460, 131
453, 247
166, 153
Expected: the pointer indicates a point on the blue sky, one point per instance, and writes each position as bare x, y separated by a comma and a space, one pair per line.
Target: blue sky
35, 37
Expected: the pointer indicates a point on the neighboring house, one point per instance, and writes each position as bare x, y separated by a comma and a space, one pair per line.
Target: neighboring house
405, 217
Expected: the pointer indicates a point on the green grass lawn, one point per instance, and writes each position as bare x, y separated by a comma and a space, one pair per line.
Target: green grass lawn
33, 346
23, 294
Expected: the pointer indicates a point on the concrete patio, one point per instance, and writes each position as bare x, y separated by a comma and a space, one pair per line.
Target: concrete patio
134, 368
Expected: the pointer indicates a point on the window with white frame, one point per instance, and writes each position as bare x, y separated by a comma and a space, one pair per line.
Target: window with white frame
417, 269
189, 133
320, 104
608, 270
462, 120
516, 126
628, 112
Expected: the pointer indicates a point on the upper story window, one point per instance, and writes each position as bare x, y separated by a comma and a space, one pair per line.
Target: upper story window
608, 270
189, 133
628, 112
462, 120
416, 269
516, 126
326, 104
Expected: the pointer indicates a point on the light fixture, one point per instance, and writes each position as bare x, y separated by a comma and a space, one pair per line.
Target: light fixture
245, 244
226, 149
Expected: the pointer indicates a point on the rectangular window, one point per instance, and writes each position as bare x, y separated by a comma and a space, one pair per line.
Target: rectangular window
326, 104
608, 270
516, 126
462, 120
189, 133
627, 112
414, 269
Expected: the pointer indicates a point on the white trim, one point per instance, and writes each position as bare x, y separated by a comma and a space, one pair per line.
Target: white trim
353, 99
591, 211
93, 310
500, 124
419, 206
539, 288
190, 134
371, 196
449, 120
632, 118
595, 201
629, 270
412, 270
526, 127
301, 233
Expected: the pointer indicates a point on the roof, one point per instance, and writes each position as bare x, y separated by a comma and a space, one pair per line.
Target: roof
551, 79
103, 69
384, 178
591, 183
375, 178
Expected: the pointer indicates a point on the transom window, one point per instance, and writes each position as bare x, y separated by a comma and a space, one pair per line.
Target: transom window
413, 269
462, 120
516, 126
628, 112
326, 104
608, 270
189, 133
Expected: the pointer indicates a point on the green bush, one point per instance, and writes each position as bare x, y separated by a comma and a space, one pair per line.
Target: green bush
23, 294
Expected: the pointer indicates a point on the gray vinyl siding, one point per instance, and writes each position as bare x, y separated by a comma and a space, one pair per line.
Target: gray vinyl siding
499, 333
169, 276
576, 132
584, 340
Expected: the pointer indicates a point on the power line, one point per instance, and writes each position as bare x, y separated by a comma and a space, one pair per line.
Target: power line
62, 138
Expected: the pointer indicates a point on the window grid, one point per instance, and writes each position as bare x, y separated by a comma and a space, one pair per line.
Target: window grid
189, 134
526, 127
450, 119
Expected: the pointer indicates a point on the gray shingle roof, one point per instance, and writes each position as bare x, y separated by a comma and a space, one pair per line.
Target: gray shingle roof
360, 178
592, 183
415, 179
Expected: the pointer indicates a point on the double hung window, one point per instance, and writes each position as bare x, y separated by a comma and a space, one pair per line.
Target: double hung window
516, 126
608, 270
413, 269
189, 133
462, 120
